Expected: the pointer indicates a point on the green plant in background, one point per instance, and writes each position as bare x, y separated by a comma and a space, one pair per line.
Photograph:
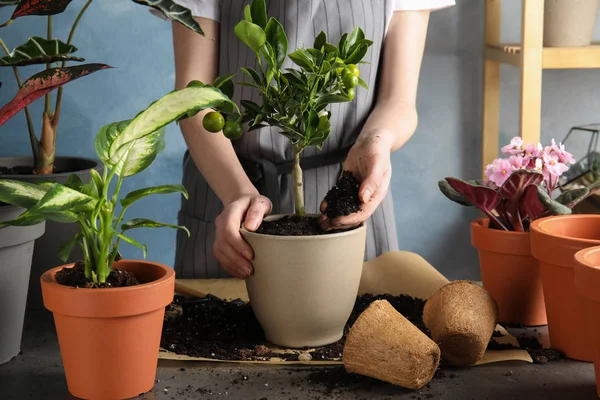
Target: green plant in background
125, 148
54, 54
293, 99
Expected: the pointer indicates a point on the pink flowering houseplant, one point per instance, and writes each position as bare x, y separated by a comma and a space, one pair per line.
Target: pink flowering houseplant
517, 190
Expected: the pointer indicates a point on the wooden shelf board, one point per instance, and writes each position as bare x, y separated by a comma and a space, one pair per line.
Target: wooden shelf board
552, 57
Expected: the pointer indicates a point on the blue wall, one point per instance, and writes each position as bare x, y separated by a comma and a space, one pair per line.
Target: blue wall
447, 142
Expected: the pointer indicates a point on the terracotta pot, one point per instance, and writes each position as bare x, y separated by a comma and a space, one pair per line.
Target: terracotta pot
569, 23
510, 273
304, 288
554, 242
109, 338
587, 282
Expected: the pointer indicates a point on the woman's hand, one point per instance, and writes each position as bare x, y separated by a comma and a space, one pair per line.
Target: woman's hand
230, 249
370, 163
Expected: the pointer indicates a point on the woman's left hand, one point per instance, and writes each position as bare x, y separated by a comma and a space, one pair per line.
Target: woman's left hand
370, 162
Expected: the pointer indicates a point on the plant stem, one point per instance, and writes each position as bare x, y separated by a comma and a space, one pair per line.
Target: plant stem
59, 92
48, 66
298, 185
35, 145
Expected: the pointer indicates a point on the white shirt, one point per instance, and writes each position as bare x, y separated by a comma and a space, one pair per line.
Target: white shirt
211, 8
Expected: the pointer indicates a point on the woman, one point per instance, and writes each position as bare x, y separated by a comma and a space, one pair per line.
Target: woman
217, 172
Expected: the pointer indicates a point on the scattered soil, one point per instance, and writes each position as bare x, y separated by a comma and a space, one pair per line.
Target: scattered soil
292, 225
533, 347
75, 277
17, 170
343, 199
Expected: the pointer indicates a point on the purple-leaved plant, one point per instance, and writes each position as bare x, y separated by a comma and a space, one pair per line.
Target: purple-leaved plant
518, 189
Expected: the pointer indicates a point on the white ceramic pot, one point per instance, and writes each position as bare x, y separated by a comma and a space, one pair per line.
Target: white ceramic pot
304, 288
569, 23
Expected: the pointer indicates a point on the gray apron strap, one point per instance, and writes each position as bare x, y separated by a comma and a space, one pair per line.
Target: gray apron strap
264, 174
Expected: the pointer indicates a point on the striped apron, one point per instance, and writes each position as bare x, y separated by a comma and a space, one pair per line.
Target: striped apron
265, 154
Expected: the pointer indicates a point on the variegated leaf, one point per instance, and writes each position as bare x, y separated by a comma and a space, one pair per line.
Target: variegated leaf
133, 242
174, 12
44, 82
61, 198
148, 223
141, 193
38, 50
31, 218
131, 159
22, 194
164, 111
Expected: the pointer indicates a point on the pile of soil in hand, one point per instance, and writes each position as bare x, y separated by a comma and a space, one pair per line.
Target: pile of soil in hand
343, 199
292, 225
75, 277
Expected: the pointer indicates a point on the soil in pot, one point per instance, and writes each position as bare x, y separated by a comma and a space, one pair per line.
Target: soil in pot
215, 329
342, 199
28, 170
75, 277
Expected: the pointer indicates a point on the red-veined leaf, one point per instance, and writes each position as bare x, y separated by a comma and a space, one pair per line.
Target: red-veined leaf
514, 187
482, 197
530, 205
40, 7
44, 82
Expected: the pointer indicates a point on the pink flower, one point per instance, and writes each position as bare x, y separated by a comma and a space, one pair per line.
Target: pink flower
516, 162
552, 164
515, 147
502, 169
532, 153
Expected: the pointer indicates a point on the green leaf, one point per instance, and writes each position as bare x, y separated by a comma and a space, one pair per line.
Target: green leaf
162, 112
332, 98
97, 180
302, 58
342, 44
320, 40
363, 84
61, 198
329, 48
74, 182
225, 84
253, 75
571, 198
65, 250
38, 50
356, 35
277, 38
259, 13
163, 189
357, 55
45, 82
148, 223
174, 12
252, 106
22, 194
25, 219
133, 242
251, 34
551, 205
248, 13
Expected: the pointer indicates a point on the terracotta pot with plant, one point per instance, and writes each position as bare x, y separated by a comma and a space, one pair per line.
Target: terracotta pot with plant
109, 312
44, 164
305, 279
517, 192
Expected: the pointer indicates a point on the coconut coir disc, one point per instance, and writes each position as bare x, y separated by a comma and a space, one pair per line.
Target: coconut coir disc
384, 345
461, 318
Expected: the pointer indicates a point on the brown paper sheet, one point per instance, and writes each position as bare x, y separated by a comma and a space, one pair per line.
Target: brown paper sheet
395, 273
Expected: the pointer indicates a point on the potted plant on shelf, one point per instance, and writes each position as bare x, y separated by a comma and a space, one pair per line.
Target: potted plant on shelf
109, 312
517, 191
43, 164
305, 280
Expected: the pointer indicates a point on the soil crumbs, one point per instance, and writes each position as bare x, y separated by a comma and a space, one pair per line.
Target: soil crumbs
17, 170
292, 225
75, 277
343, 199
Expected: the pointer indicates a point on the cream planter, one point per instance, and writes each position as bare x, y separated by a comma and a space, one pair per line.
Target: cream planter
569, 23
304, 288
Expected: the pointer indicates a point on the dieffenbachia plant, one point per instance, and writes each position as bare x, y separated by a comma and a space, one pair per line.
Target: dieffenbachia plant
55, 54
294, 100
518, 190
126, 148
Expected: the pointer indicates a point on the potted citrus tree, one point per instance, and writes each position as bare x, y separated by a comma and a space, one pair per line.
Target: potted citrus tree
305, 279
109, 312
59, 65
518, 190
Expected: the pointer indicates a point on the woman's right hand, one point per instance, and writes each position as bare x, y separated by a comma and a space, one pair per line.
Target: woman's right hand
230, 249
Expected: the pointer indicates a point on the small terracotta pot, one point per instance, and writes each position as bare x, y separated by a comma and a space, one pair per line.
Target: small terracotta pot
109, 338
510, 273
304, 288
554, 242
587, 282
